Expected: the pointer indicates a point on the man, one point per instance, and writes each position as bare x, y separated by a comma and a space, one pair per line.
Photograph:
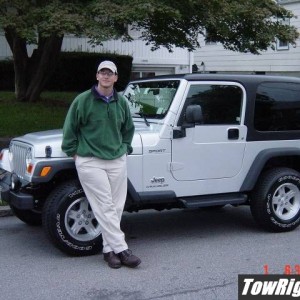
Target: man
97, 133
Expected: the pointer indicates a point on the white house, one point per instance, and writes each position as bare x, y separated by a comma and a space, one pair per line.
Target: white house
145, 62
284, 60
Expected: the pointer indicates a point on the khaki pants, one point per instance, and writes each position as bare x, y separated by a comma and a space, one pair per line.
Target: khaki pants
105, 185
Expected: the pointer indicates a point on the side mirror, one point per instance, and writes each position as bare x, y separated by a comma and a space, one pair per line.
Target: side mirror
193, 116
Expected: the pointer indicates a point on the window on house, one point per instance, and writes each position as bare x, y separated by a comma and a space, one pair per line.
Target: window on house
136, 75
282, 45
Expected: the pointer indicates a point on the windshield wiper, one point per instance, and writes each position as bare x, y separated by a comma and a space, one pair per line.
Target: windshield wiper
145, 119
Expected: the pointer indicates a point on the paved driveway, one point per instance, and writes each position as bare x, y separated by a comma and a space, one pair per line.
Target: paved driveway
185, 255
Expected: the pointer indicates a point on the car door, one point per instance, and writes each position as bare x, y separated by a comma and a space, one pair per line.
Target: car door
215, 148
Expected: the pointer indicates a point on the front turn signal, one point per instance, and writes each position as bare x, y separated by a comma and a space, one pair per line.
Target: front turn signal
45, 171
29, 168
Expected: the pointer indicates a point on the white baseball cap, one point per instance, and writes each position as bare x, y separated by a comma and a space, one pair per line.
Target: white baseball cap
107, 64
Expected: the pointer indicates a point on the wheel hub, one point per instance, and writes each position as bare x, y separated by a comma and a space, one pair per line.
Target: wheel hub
286, 201
83, 217
80, 221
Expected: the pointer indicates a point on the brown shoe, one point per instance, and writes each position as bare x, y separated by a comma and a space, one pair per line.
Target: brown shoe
128, 259
112, 259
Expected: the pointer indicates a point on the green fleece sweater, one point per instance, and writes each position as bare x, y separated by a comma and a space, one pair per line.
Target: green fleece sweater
97, 128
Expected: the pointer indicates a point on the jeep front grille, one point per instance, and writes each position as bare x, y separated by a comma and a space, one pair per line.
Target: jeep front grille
18, 151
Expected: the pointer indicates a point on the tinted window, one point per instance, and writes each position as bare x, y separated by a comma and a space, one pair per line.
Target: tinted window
277, 107
221, 104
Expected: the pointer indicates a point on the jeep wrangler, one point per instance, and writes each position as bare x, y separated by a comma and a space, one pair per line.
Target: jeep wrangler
200, 140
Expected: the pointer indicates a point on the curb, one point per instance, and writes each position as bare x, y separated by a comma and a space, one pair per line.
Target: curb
5, 211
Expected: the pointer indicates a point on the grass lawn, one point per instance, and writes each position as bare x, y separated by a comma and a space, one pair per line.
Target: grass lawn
17, 118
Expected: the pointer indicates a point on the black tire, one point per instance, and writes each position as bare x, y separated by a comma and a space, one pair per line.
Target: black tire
69, 221
275, 202
30, 217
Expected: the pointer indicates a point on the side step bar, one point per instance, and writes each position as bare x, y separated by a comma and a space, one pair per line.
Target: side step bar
213, 200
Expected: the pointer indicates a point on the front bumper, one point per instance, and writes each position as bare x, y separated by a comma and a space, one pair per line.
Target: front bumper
16, 198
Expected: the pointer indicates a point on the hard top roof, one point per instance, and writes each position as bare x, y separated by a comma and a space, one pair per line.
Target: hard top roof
225, 77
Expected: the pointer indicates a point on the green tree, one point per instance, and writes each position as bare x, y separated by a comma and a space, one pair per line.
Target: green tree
245, 26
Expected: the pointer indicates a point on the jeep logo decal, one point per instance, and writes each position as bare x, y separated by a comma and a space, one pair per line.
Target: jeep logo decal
158, 180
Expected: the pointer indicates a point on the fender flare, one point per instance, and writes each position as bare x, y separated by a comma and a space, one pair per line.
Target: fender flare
56, 167
260, 161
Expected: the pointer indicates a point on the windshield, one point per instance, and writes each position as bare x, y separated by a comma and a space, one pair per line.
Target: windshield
151, 98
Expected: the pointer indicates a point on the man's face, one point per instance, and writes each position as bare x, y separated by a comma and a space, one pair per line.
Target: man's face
106, 78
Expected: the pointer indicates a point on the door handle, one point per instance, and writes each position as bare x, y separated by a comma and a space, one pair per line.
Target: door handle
233, 133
